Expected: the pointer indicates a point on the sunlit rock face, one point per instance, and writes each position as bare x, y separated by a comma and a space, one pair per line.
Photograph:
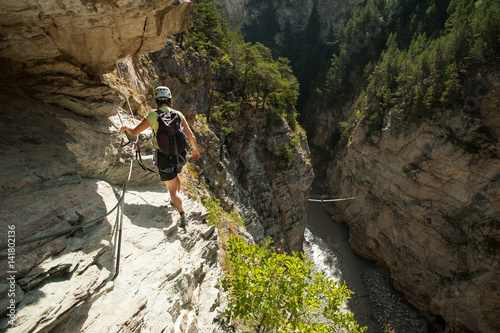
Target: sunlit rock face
64, 161
427, 206
255, 170
59, 49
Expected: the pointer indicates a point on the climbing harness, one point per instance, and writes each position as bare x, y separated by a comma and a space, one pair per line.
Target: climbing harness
179, 164
181, 161
138, 157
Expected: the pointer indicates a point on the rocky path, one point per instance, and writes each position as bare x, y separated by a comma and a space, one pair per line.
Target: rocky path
166, 281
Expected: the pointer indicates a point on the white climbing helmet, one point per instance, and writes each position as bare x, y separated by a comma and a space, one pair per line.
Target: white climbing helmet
162, 93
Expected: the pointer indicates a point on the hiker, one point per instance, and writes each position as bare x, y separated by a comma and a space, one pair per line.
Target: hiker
170, 164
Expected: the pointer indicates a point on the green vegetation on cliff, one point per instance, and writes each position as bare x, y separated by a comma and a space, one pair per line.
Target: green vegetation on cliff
275, 292
391, 56
420, 67
281, 293
243, 73
309, 56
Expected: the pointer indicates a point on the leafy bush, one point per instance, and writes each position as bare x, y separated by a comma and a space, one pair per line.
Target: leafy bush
289, 149
218, 215
275, 292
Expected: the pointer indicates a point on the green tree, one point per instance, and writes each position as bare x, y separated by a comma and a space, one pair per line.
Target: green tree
485, 32
274, 292
262, 78
209, 26
453, 90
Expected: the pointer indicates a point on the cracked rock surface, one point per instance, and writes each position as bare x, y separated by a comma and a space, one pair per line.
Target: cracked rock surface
167, 278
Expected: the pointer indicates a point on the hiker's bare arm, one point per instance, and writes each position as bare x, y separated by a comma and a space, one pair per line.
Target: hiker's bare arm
138, 129
191, 138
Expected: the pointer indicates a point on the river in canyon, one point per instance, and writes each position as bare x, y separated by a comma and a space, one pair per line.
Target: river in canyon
375, 303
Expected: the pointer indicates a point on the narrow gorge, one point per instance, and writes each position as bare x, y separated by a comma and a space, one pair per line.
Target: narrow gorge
65, 163
427, 209
426, 202
407, 122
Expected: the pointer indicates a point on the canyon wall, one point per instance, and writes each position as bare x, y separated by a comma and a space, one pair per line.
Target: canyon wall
59, 49
253, 168
64, 162
59, 126
261, 174
427, 205
295, 12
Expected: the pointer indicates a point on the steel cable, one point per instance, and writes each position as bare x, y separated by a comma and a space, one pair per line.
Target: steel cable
120, 203
76, 227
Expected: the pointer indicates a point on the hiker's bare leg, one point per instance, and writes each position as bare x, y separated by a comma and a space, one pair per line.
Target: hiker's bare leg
174, 188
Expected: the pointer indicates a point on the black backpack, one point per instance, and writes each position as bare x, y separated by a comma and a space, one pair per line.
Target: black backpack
170, 136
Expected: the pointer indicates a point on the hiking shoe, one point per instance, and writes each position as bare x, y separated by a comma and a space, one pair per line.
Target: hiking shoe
184, 221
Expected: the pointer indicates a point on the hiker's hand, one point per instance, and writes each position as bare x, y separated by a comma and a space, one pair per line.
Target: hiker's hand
196, 154
138, 129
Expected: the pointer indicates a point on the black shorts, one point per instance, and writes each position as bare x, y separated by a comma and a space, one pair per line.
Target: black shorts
169, 166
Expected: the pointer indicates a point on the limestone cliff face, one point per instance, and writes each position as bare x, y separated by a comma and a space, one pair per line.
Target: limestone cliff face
89, 34
262, 174
166, 279
257, 170
295, 12
64, 160
59, 127
427, 207
59, 49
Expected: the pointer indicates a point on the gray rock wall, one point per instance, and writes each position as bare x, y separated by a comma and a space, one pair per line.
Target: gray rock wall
248, 170
252, 173
60, 141
64, 161
166, 279
428, 208
295, 12
58, 50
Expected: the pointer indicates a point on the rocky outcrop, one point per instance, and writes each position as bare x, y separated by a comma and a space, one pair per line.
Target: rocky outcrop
59, 49
64, 160
166, 280
61, 152
87, 35
427, 207
264, 175
260, 168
